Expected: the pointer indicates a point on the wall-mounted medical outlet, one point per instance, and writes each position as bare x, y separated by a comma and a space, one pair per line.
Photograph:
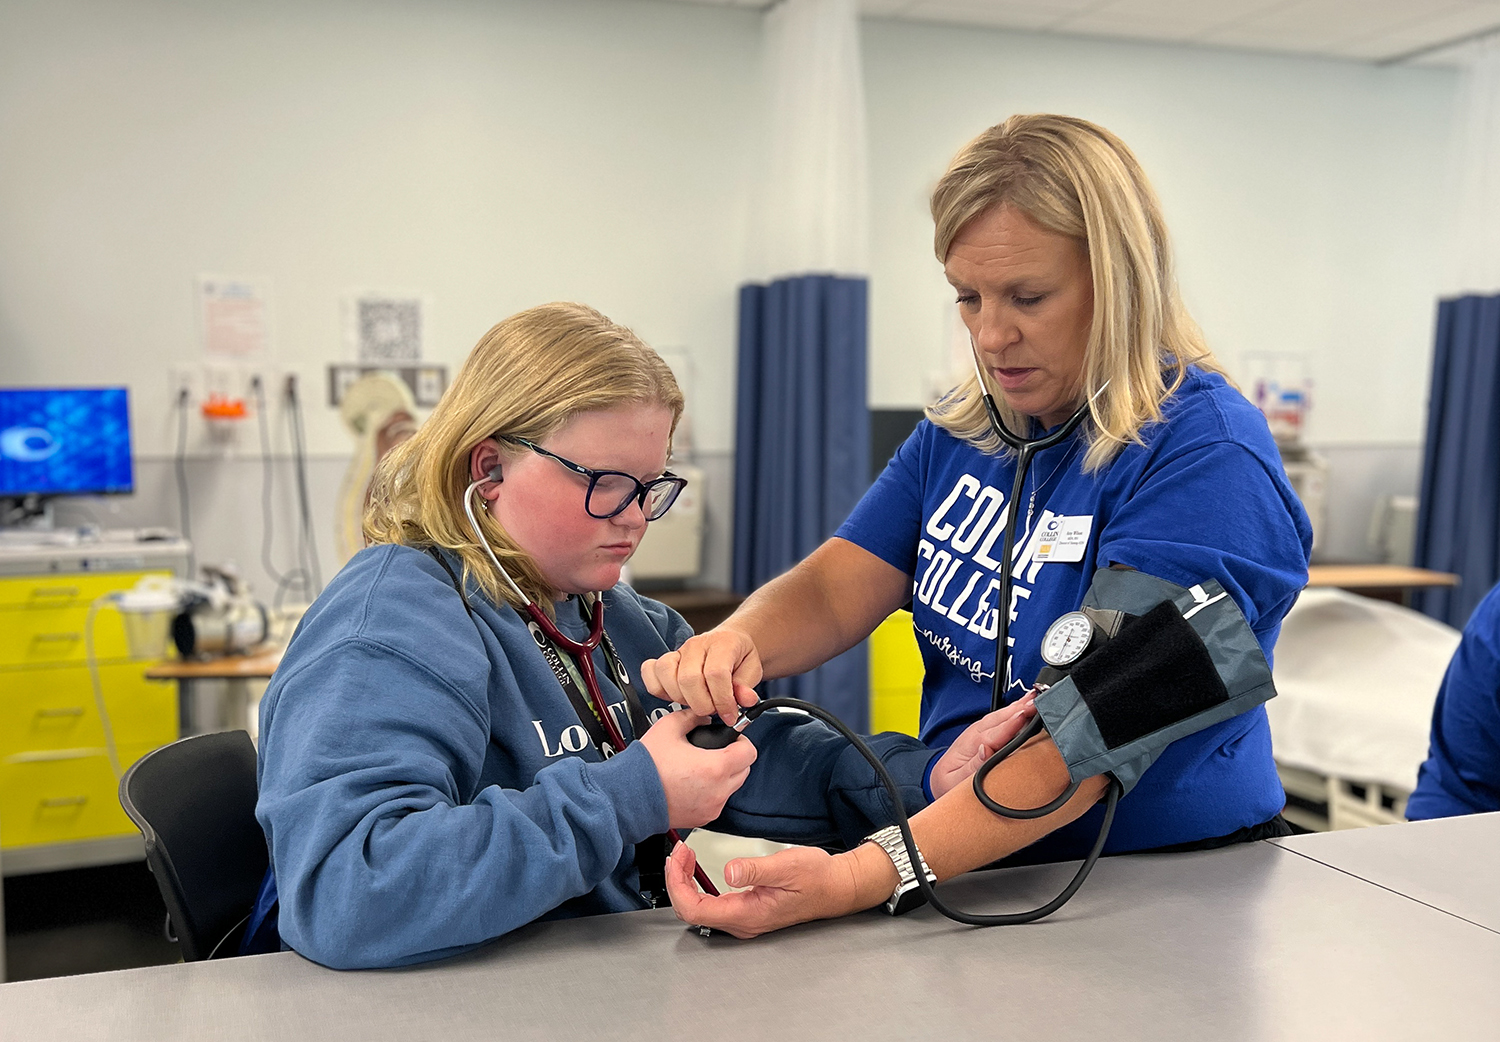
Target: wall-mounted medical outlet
221, 382
185, 380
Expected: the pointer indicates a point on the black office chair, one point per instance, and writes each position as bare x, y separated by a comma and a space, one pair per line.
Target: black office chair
194, 802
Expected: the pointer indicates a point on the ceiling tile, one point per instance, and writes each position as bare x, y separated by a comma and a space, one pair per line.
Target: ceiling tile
1165, 25
1369, 30
1374, 49
996, 13
1451, 25
1209, 11
883, 8
1323, 22
1164, 29
729, 3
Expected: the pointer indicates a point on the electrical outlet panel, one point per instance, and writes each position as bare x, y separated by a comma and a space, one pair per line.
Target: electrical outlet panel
185, 379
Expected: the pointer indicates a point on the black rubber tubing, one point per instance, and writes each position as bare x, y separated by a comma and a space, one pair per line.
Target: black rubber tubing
929, 891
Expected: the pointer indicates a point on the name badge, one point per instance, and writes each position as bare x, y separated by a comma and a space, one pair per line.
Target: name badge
1064, 539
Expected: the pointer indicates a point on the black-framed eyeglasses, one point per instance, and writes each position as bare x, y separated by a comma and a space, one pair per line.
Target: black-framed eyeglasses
612, 491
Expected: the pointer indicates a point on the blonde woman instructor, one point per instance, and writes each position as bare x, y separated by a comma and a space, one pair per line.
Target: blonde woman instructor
1054, 243
432, 771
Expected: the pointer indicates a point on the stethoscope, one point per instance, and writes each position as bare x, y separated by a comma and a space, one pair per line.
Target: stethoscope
1026, 451
580, 651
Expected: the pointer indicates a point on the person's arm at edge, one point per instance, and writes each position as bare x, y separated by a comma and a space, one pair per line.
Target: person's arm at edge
1461, 774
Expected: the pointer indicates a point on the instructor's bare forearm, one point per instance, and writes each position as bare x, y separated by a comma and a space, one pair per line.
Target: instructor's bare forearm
957, 833
790, 621
821, 608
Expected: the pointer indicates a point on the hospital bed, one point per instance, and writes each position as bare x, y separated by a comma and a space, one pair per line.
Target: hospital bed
1356, 681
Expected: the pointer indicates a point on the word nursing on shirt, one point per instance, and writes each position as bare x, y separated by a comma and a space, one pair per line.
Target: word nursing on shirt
961, 579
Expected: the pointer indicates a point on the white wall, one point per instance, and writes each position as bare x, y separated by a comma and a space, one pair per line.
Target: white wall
1304, 197
500, 153
495, 154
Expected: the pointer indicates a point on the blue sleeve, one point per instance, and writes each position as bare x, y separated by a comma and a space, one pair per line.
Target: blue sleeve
386, 849
1215, 512
810, 786
1462, 772
887, 520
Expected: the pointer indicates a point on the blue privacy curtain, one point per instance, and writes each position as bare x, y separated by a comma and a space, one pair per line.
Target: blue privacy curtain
1458, 519
802, 448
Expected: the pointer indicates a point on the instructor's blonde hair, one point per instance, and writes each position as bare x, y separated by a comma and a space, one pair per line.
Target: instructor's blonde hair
1077, 179
527, 377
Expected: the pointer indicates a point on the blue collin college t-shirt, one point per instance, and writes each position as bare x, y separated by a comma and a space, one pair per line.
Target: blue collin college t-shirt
1205, 497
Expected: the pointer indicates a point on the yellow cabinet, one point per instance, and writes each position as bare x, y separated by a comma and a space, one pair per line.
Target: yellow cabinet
62, 795
896, 673
56, 781
55, 709
66, 590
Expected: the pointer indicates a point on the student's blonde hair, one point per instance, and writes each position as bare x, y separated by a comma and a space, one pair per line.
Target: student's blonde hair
527, 377
1077, 179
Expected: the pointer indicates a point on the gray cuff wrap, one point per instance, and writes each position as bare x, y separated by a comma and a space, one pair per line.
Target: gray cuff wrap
1148, 695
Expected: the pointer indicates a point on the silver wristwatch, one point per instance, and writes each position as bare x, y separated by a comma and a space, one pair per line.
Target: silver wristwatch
908, 893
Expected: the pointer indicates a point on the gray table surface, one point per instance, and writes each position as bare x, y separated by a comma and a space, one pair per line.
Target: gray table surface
1250, 942
1449, 863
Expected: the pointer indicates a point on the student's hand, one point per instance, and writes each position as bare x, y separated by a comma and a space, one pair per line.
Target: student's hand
795, 885
978, 742
713, 672
698, 782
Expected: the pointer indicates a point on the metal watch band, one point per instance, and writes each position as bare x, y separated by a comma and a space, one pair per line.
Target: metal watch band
908, 893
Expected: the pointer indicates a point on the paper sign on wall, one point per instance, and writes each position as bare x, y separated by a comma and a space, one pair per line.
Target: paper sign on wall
234, 318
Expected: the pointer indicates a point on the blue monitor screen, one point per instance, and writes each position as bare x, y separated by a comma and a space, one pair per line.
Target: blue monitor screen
65, 441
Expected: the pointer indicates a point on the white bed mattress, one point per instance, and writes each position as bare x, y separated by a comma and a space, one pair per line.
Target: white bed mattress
1356, 679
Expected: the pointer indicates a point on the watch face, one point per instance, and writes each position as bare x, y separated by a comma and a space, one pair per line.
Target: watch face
1067, 639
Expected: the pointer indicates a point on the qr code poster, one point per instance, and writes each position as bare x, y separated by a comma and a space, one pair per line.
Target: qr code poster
384, 327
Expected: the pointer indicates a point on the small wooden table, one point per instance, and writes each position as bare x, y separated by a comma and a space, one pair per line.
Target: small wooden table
1382, 582
198, 715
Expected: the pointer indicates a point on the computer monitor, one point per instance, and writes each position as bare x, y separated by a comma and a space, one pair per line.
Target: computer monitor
65, 441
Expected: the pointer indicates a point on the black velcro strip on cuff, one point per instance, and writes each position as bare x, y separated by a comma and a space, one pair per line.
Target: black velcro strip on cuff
1155, 672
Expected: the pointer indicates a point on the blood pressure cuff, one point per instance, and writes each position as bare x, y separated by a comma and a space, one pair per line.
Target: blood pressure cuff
1181, 660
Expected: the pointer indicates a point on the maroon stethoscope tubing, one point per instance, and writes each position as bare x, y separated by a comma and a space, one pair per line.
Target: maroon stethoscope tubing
582, 653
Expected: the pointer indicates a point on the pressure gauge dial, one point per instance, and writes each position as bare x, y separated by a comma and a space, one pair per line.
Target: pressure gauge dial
1067, 639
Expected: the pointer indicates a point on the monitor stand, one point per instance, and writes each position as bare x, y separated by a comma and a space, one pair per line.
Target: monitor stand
31, 513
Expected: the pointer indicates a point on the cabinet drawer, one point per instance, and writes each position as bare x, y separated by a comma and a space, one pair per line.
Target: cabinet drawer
53, 708
68, 590
62, 796
50, 634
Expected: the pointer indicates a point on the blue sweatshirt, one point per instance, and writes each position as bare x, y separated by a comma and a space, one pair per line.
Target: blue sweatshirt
1462, 771
425, 783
